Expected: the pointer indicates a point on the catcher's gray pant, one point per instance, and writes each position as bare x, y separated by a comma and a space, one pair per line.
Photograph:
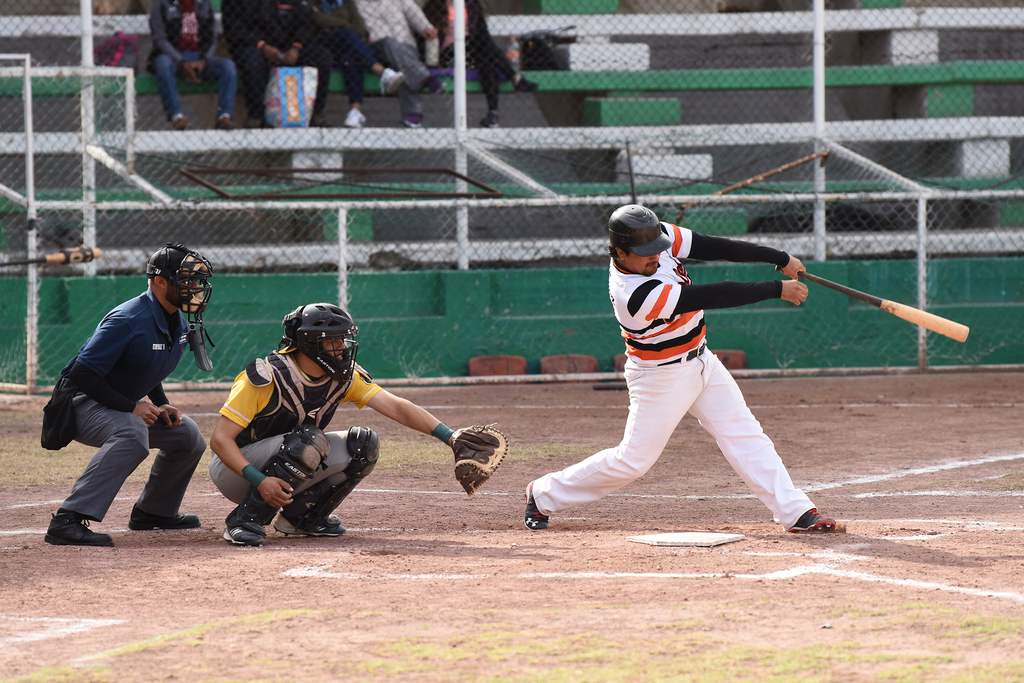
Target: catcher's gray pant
405, 58
124, 441
659, 396
258, 454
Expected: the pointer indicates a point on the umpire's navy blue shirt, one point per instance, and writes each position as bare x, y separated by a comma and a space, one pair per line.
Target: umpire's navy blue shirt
132, 349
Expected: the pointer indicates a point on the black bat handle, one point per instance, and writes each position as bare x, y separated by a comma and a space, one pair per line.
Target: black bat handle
848, 291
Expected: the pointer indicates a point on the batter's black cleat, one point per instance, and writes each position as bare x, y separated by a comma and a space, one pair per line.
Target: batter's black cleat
811, 522
70, 528
247, 534
143, 521
329, 527
534, 520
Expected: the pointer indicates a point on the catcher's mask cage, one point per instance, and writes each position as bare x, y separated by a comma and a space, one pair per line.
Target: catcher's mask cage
325, 333
188, 272
635, 228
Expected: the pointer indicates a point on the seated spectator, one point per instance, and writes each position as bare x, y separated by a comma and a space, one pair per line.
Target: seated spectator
481, 51
262, 34
183, 46
390, 25
344, 34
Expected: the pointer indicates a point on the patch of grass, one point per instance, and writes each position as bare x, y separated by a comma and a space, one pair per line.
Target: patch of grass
982, 629
25, 463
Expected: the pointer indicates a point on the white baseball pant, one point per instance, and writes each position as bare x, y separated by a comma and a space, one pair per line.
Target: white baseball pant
659, 397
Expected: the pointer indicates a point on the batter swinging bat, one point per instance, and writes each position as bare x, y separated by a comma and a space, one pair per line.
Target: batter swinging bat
929, 321
76, 255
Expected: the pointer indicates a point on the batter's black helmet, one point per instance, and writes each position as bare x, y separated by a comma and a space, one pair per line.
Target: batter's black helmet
635, 228
187, 271
308, 327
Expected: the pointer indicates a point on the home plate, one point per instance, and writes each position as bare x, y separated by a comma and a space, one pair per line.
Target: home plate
694, 538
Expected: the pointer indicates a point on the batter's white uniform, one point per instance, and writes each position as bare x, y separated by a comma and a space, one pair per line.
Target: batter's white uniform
670, 373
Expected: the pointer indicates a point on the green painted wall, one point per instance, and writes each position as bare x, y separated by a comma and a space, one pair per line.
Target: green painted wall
430, 323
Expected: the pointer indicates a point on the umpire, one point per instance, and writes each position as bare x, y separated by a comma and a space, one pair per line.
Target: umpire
133, 350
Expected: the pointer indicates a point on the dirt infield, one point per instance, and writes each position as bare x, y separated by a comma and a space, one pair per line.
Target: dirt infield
429, 585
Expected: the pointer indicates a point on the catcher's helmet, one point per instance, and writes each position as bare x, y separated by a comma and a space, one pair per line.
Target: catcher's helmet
308, 328
187, 271
634, 228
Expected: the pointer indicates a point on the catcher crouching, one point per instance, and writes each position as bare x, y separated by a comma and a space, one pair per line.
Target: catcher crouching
271, 455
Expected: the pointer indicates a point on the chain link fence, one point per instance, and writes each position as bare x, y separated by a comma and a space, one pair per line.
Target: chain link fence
908, 159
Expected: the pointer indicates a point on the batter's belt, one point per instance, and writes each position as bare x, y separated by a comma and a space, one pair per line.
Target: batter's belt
690, 356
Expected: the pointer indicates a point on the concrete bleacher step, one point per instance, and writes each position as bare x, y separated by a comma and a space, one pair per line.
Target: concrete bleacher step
655, 165
631, 111
571, 6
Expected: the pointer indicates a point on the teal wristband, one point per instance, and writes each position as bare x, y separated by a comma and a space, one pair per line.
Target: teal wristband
442, 432
253, 475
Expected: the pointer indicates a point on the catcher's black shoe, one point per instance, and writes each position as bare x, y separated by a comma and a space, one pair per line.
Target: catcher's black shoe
812, 522
247, 534
534, 520
330, 527
143, 521
70, 528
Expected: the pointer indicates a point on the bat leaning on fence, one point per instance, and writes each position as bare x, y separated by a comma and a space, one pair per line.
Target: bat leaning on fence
69, 256
929, 321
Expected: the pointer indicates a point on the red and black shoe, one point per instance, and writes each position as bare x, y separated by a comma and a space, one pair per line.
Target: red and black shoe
534, 520
812, 522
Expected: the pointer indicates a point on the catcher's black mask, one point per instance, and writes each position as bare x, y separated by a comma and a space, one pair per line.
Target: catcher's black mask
325, 333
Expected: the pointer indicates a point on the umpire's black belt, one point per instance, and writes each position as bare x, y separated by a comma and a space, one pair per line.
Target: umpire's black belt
690, 356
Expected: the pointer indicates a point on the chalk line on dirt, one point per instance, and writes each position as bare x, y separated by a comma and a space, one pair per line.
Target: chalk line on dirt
70, 626
322, 571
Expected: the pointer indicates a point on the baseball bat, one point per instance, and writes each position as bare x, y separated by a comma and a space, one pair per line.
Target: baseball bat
632, 181
929, 321
76, 255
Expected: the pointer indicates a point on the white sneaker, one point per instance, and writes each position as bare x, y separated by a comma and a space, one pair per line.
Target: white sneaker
355, 119
390, 81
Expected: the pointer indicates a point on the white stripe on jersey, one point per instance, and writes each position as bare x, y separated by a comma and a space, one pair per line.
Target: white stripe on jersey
649, 325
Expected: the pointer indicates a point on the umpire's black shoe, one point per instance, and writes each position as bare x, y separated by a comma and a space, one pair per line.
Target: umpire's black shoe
70, 528
143, 521
534, 520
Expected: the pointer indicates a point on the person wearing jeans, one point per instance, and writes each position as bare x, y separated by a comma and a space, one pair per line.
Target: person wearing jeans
390, 25
262, 34
196, 70
481, 51
344, 34
183, 46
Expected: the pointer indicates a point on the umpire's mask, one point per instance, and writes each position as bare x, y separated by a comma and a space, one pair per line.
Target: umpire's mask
188, 272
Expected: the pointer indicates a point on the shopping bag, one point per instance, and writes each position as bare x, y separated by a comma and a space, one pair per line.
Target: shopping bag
291, 92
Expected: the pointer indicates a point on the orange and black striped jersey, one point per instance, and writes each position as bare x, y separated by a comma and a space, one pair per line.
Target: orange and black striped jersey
662, 315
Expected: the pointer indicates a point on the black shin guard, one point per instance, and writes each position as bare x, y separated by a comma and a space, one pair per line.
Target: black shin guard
364, 447
302, 451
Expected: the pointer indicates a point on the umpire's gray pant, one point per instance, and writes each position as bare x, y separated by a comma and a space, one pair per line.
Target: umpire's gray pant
405, 58
259, 454
124, 441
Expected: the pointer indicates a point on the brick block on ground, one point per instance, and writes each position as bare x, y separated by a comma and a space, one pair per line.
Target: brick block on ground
568, 363
497, 365
732, 359
620, 362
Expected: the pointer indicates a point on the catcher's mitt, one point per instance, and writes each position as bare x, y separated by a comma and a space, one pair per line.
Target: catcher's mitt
478, 452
